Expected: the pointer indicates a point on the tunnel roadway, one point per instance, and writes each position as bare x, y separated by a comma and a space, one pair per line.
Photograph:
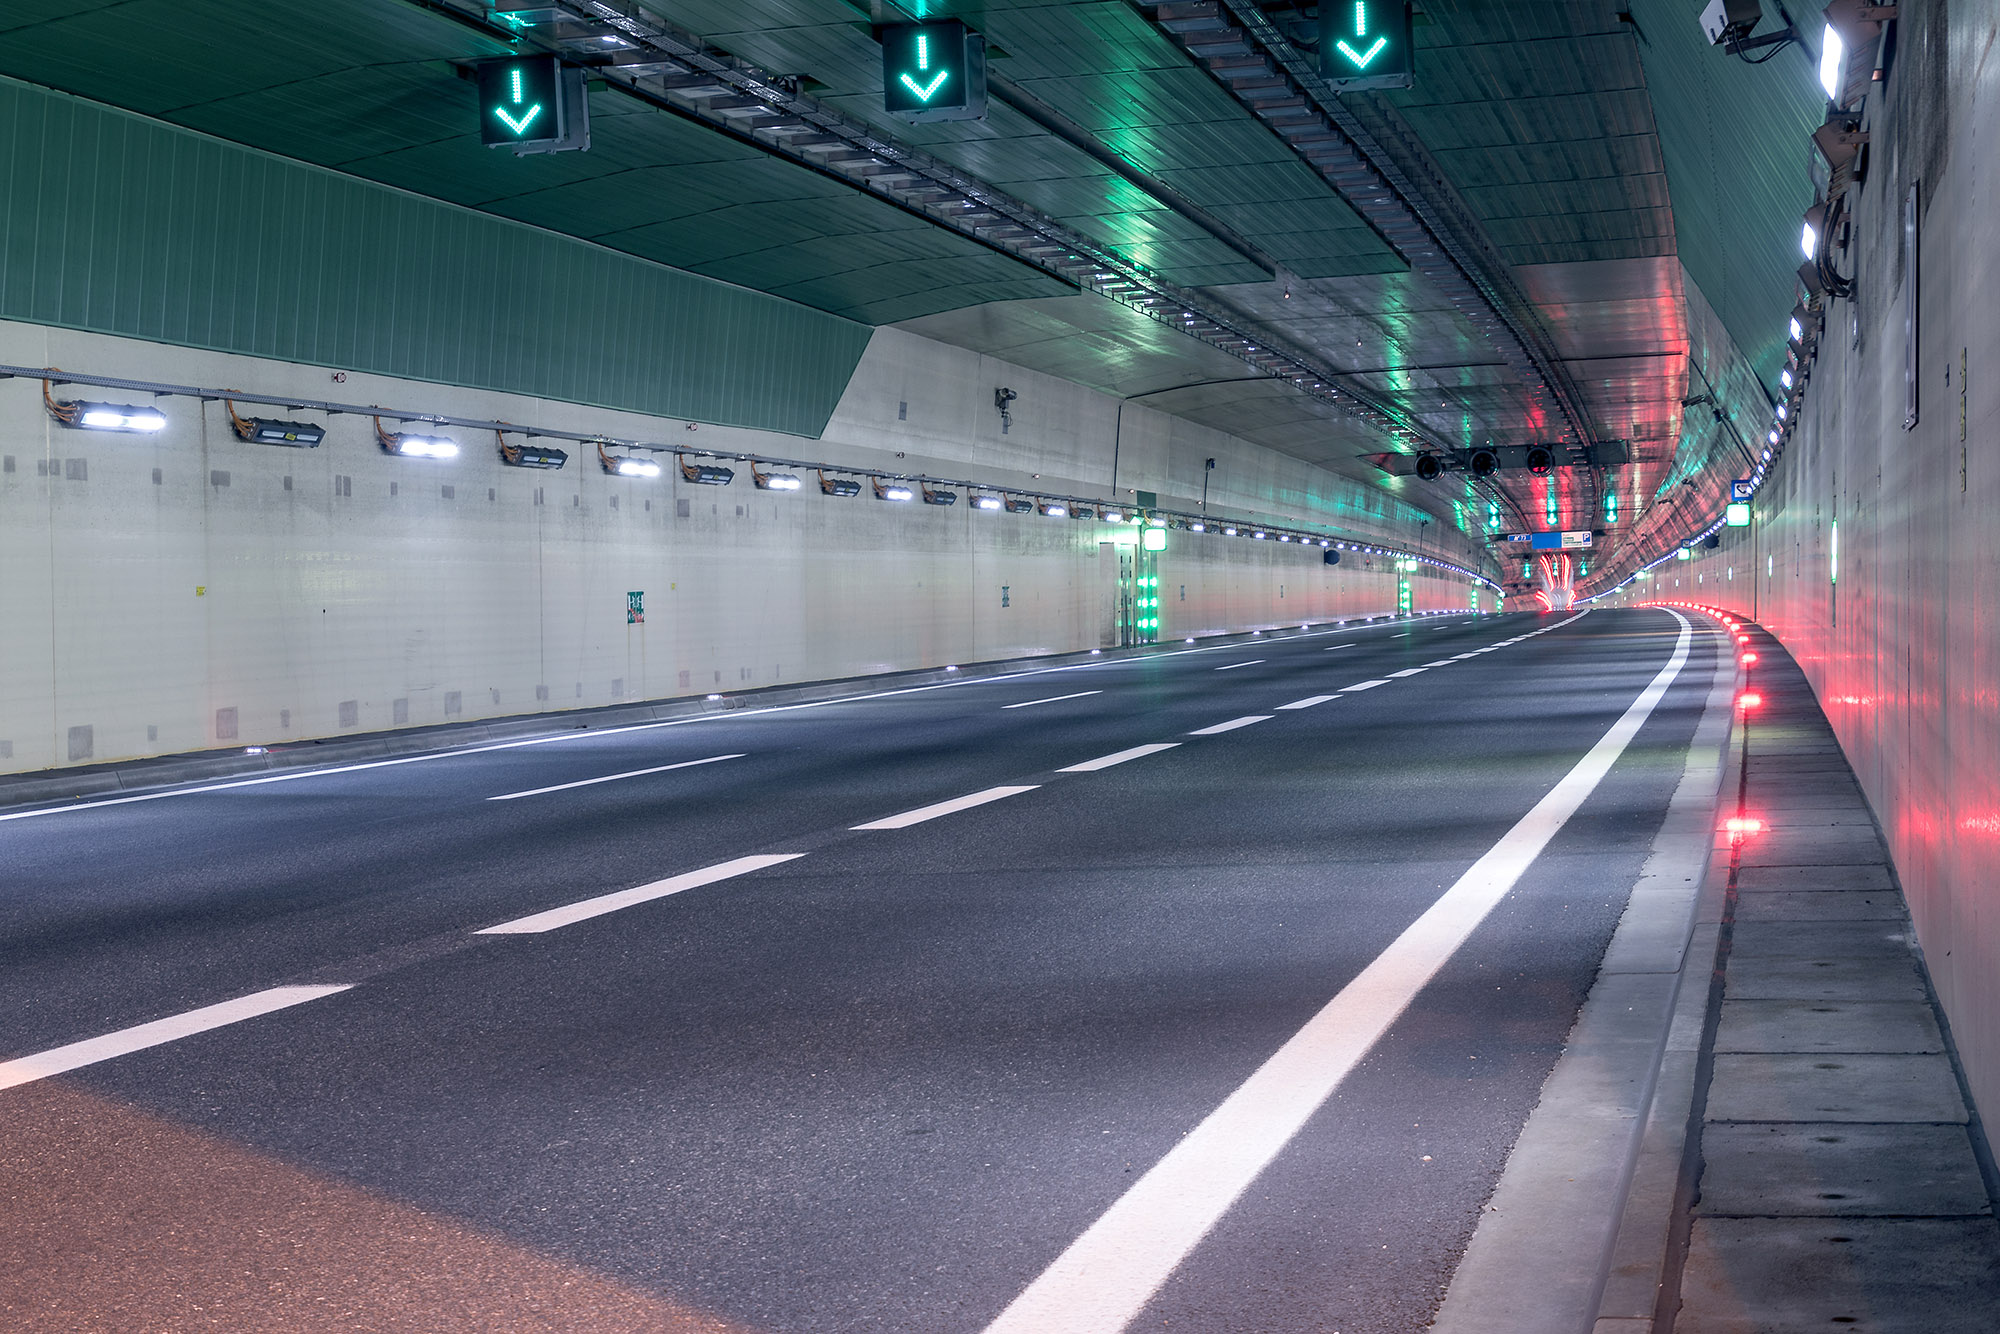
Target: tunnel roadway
884, 1013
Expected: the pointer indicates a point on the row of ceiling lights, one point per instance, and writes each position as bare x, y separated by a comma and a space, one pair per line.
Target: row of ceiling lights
1845, 73
147, 420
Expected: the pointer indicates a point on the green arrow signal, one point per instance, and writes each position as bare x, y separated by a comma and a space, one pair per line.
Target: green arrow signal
1359, 58
924, 92
527, 117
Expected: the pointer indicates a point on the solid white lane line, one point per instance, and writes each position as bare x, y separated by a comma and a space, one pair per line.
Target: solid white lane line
1234, 665
57, 1060
612, 778
1308, 701
956, 804
1052, 699
1107, 1275
1232, 725
1106, 761
1361, 685
1441, 662
585, 909
1407, 671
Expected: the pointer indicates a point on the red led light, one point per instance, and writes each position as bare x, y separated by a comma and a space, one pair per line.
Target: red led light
1750, 700
1749, 658
1740, 825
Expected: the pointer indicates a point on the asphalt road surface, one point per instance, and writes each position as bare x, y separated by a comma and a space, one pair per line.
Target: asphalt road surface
862, 1015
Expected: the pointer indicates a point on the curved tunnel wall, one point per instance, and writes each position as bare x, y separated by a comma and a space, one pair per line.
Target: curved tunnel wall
1875, 553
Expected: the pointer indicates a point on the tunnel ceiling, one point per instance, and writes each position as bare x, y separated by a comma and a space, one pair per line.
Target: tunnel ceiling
1533, 123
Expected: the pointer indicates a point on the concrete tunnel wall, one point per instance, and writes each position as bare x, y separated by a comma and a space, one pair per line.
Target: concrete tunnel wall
190, 590
1899, 633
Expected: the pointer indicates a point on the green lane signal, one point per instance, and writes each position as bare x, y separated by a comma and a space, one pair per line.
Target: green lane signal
1366, 44
933, 71
1738, 514
520, 100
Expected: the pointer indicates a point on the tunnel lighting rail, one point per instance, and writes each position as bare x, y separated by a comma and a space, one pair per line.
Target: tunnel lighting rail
417, 445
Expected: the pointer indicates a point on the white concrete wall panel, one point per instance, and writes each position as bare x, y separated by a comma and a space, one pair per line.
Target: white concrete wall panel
189, 590
1903, 647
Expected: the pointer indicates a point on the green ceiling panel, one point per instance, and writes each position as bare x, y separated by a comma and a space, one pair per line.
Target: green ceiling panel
119, 224
1736, 139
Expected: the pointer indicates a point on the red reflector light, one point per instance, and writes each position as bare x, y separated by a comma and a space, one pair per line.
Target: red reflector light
1743, 825
1749, 658
1750, 700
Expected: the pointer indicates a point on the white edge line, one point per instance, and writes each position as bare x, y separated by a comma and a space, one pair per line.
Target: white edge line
75, 1055
1106, 1276
1052, 699
592, 733
952, 807
612, 778
1106, 761
584, 909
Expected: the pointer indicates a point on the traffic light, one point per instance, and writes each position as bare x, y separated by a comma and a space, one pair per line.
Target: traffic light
532, 104
1366, 44
933, 71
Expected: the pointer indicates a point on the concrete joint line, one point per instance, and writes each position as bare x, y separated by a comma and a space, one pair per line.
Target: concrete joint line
1578, 1221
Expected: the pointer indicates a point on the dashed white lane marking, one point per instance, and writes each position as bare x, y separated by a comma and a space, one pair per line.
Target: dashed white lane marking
1106, 1277
1463, 656
57, 1060
1407, 671
1106, 761
584, 909
1052, 699
1441, 662
1361, 685
612, 778
1330, 648
1234, 665
1308, 701
956, 804
1232, 724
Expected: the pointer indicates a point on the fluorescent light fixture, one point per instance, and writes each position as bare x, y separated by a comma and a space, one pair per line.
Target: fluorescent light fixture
110, 417
773, 481
838, 486
932, 497
1112, 516
1259, 534
705, 474
1832, 62
1767, 456
423, 446
1773, 436
1797, 332
1783, 412
532, 456
630, 467
1054, 510
893, 491
1197, 527
1083, 512
1808, 240
1785, 379
986, 502
1229, 532
1019, 505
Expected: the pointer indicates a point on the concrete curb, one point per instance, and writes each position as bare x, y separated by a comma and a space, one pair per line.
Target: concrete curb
131, 777
1577, 1224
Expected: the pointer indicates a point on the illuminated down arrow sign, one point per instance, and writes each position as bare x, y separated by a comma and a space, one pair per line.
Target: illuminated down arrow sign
520, 101
933, 71
1366, 44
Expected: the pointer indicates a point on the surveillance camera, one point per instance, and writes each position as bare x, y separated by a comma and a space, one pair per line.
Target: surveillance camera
1730, 20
